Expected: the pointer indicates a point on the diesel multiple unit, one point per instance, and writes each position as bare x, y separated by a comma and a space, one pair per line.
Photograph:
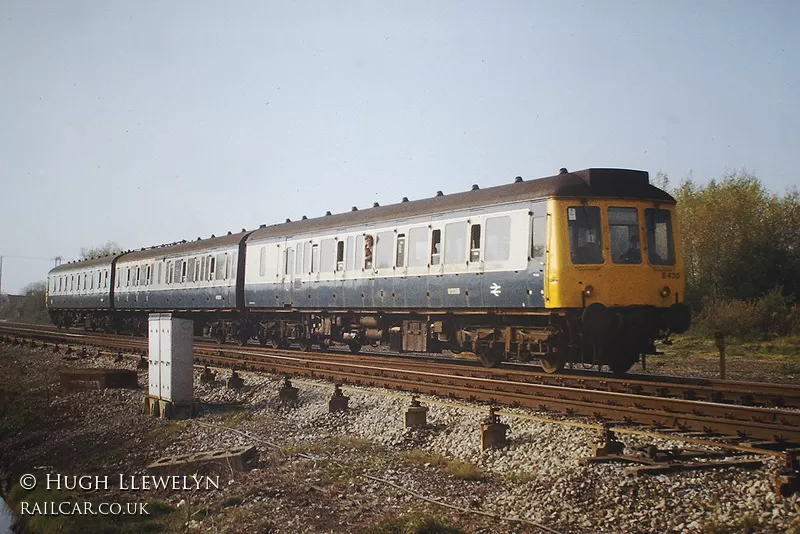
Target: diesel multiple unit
578, 267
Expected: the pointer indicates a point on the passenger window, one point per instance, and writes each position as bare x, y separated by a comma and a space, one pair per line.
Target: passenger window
196, 263
418, 247
228, 271
327, 256
190, 270
314, 258
179, 272
307, 257
59, 283
359, 252
138, 274
220, 274
72, 282
350, 263
168, 279
127, 277
158, 276
383, 250
498, 238
298, 263
660, 245
475, 243
91, 281
183, 270
289, 266
455, 243
85, 277
585, 237
212, 268
401, 250
623, 226
262, 266
369, 246
340, 255
537, 237
436, 246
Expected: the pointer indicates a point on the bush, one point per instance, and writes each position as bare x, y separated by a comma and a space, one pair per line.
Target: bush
771, 315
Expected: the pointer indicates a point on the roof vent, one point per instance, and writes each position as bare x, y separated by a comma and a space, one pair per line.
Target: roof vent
327, 213
198, 239
439, 194
304, 218
243, 230
518, 179
375, 205
475, 187
212, 235
354, 208
563, 170
262, 225
405, 199
229, 232
288, 219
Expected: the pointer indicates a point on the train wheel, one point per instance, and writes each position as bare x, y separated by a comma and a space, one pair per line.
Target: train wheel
355, 347
551, 363
324, 346
493, 355
242, 338
305, 344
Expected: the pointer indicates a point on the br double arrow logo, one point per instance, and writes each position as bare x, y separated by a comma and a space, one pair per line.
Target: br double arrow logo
495, 289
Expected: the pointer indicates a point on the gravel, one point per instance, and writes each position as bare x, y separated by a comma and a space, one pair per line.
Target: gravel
318, 470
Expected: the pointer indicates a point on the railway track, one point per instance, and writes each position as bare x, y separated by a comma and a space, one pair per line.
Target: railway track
620, 402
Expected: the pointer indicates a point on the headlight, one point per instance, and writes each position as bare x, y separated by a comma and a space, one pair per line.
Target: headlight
588, 291
665, 291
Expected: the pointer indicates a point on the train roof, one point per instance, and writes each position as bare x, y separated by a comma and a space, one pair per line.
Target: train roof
186, 247
170, 249
104, 261
588, 183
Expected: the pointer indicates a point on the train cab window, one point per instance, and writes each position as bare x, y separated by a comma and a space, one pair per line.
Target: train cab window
623, 225
455, 243
350, 262
498, 238
475, 243
369, 246
383, 250
262, 262
418, 247
585, 234
537, 237
340, 255
327, 255
660, 244
400, 260
314, 258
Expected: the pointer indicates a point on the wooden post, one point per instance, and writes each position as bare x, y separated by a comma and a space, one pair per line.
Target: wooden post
719, 341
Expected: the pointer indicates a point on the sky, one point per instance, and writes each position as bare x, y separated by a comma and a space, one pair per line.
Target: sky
151, 122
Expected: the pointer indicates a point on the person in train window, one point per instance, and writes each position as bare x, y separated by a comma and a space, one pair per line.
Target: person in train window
368, 252
634, 254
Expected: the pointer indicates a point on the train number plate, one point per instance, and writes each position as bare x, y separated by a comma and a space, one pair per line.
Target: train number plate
674, 276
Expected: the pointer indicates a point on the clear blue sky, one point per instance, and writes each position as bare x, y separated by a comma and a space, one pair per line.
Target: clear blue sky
149, 122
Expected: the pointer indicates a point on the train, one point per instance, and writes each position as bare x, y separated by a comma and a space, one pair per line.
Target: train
580, 267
